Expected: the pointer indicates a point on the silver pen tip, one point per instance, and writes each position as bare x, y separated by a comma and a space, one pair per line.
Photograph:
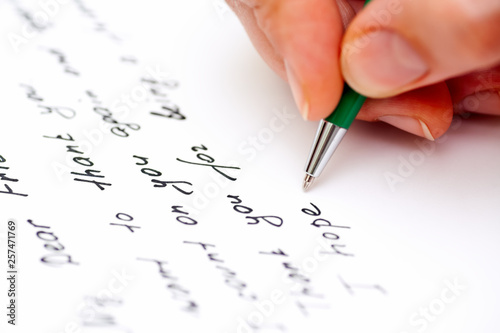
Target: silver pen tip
307, 182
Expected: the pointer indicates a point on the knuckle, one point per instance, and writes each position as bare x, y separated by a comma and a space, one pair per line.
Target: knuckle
266, 13
480, 37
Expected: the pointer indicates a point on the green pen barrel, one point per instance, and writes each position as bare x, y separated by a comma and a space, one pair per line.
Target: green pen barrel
347, 109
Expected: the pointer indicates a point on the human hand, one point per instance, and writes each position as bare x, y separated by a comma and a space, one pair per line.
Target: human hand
419, 61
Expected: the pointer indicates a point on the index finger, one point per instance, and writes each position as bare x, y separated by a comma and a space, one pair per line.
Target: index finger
306, 36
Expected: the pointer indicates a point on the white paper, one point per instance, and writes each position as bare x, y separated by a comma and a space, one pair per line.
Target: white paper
399, 234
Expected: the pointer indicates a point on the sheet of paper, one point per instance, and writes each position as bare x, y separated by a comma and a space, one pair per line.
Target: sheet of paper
151, 168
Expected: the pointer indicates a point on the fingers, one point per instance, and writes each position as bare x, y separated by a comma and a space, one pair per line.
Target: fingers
258, 38
301, 38
426, 112
477, 92
395, 46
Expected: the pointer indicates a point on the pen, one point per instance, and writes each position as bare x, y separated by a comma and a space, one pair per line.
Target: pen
330, 132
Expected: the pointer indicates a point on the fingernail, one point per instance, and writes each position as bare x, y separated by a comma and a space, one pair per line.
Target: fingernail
487, 102
297, 91
382, 62
409, 124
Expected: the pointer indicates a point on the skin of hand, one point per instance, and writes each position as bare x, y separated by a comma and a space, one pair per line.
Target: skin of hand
417, 61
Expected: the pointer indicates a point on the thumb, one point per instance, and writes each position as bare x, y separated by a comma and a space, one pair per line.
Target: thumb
395, 46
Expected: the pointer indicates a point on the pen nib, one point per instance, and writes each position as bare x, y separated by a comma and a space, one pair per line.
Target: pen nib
308, 181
